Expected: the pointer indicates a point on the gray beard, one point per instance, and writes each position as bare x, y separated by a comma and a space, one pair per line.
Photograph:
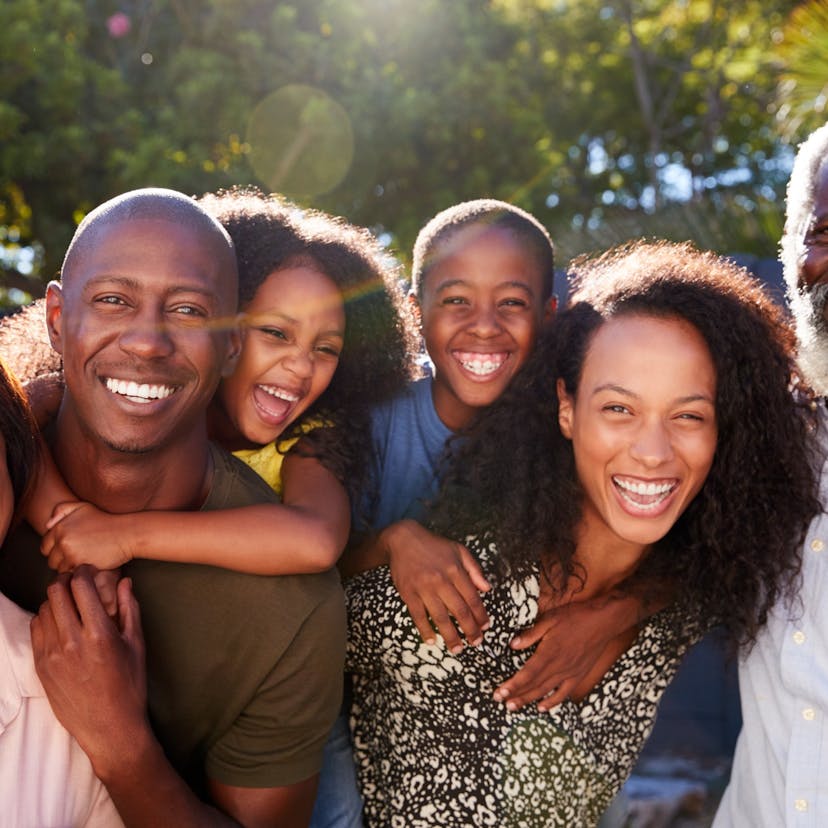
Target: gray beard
812, 335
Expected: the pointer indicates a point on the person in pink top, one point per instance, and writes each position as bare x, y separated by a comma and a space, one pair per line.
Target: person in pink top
45, 777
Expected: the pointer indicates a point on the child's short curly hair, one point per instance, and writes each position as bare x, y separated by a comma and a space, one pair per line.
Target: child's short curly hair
483, 213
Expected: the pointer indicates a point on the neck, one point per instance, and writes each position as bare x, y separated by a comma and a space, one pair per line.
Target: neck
175, 477
606, 559
222, 430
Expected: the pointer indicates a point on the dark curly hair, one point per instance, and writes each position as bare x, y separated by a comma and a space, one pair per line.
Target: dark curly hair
271, 233
484, 213
736, 548
19, 432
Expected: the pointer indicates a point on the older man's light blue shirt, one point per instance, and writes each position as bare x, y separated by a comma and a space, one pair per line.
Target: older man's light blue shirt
780, 768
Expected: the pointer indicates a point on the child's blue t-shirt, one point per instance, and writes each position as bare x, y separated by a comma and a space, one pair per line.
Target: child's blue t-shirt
408, 441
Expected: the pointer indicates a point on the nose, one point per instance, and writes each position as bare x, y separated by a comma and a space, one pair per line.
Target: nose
485, 322
147, 337
299, 362
651, 445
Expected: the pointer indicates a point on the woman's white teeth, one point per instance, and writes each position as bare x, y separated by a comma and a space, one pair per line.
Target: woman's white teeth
642, 488
144, 391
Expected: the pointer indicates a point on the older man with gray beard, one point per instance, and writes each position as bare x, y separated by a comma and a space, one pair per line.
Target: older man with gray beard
780, 768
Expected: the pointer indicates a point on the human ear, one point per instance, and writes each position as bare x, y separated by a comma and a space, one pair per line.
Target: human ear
550, 308
54, 315
234, 346
566, 408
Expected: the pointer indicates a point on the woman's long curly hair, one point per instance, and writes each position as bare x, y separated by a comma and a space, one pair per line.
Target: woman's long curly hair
270, 233
737, 547
19, 432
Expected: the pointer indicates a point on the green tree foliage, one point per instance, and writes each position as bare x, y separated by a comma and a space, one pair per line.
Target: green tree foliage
599, 116
803, 56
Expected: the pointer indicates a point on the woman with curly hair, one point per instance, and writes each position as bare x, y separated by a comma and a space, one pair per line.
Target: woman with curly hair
654, 429
323, 339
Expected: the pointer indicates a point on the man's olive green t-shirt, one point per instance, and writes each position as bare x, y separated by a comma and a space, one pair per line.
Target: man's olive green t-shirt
244, 671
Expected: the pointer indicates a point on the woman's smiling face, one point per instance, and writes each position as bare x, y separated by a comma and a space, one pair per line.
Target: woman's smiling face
643, 427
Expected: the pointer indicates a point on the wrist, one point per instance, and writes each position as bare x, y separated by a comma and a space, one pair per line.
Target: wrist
121, 760
395, 537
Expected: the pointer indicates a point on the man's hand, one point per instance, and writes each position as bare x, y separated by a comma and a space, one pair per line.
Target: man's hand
92, 669
438, 579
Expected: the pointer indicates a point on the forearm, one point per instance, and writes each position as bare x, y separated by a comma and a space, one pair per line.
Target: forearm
375, 549
267, 539
148, 792
50, 489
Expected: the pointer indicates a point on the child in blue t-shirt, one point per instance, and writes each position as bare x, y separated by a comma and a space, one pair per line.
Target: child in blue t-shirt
482, 286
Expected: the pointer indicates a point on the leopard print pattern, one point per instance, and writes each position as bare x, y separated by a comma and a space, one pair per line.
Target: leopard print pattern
432, 746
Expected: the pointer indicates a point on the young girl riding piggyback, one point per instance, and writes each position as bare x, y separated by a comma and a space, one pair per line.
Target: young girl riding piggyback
324, 339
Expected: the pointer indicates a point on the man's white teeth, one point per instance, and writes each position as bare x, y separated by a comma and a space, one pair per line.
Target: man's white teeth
144, 391
280, 393
643, 488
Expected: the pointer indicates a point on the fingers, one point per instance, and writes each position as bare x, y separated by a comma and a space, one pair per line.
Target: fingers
452, 616
61, 511
533, 681
88, 601
441, 618
564, 691
419, 615
529, 637
473, 569
129, 616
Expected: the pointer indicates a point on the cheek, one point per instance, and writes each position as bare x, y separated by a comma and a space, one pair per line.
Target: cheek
322, 376
814, 264
699, 454
525, 334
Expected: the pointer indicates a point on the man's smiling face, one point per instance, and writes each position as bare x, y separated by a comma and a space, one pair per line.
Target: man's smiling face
143, 320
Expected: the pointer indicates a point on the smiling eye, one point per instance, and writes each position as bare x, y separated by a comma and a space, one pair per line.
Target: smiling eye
328, 350
109, 299
616, 408
275, 333
514, 302
454, 300
188, 310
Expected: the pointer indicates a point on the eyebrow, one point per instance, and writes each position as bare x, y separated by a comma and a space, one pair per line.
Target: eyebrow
513, 283
138, 284
619, 389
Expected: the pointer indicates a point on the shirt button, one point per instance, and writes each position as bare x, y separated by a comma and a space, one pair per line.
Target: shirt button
808, 714
799, 637
817, 545
801, 804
